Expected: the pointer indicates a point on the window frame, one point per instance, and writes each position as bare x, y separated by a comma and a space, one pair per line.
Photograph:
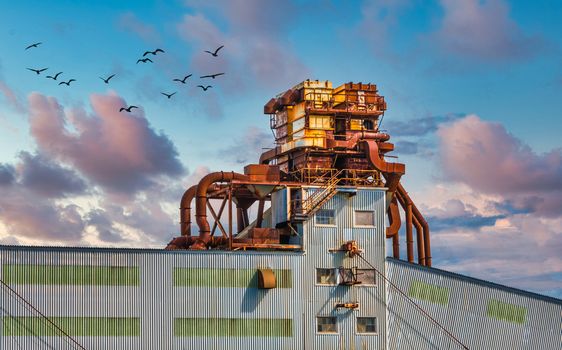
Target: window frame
325, 225
376, 332
335, 274
355, 224
337, 332
364, 284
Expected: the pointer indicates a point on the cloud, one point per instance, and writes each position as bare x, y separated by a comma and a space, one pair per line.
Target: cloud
419, 126
476, 234
131, 23
455, 214
487, 158
118, 151
256, 47
7, 174
11, 97
248, 148
406, 147
482, 30
27, 215
46, 178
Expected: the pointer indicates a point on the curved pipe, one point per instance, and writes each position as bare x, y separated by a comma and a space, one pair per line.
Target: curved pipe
372, 150
394, 219
201, 204
185, 210
391, 171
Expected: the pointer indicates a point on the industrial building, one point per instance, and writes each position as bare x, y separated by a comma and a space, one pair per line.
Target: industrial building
293, 257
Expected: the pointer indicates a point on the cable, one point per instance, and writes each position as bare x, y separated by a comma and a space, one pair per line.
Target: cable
451, 335
42, 315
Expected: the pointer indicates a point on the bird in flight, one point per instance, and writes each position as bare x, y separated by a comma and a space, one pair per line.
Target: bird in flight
153, 52
144, 60
216, 51
184, 79
205, 88
128, 109
38, 71
55, 76
168, 95
106, 80
211, 75
33, 45
67, 83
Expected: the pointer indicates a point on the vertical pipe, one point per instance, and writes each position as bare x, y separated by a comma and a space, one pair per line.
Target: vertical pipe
259, 219
420, 242
185, 210
409, 237
421, 220
230, 217
239, 219
395, 247
246, 217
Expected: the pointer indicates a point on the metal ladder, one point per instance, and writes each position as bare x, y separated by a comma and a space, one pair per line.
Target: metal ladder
317, 199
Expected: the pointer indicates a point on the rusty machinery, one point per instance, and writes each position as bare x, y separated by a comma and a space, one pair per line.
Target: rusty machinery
325, 137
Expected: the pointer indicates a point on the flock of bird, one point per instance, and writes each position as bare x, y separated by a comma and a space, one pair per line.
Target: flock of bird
143, 60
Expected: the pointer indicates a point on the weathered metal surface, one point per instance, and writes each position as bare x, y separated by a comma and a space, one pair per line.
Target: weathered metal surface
481, 314
192, 299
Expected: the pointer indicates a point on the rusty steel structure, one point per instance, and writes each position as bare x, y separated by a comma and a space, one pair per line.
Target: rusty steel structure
325, 137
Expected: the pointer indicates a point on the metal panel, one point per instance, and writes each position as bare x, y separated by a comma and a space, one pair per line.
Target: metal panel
321, 300
482, 315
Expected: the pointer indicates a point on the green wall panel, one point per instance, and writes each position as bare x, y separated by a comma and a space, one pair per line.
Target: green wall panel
232, 327
429, 292
73, 326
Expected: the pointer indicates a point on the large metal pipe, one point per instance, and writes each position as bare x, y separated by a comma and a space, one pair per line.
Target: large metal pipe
425, 227
391, 171
409, 236
201, 204
420, 242
393, 219
185, 210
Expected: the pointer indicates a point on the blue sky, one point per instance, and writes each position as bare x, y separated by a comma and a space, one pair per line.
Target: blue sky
473, 91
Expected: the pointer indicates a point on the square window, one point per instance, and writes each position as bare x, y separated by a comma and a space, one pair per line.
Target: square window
326, 324
364, 218
367, 277
326, 217
367, 325
326, 276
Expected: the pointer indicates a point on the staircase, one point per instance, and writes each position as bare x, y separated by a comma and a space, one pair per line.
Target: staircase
317, 199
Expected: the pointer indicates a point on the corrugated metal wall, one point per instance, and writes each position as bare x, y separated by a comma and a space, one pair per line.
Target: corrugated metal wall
152, 299
322, 299
480, 314
155, 299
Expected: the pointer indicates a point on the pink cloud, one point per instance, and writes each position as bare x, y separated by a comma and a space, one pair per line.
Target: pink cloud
487, 158
118, 151
482, 30
11, 97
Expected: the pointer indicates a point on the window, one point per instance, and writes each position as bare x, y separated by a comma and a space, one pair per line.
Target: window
366, 277
326, 324
368, 124
367, 325
364, 218
326, 276
326, 217
356, 277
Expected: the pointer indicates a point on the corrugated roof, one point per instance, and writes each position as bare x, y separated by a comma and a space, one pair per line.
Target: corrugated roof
476, 281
